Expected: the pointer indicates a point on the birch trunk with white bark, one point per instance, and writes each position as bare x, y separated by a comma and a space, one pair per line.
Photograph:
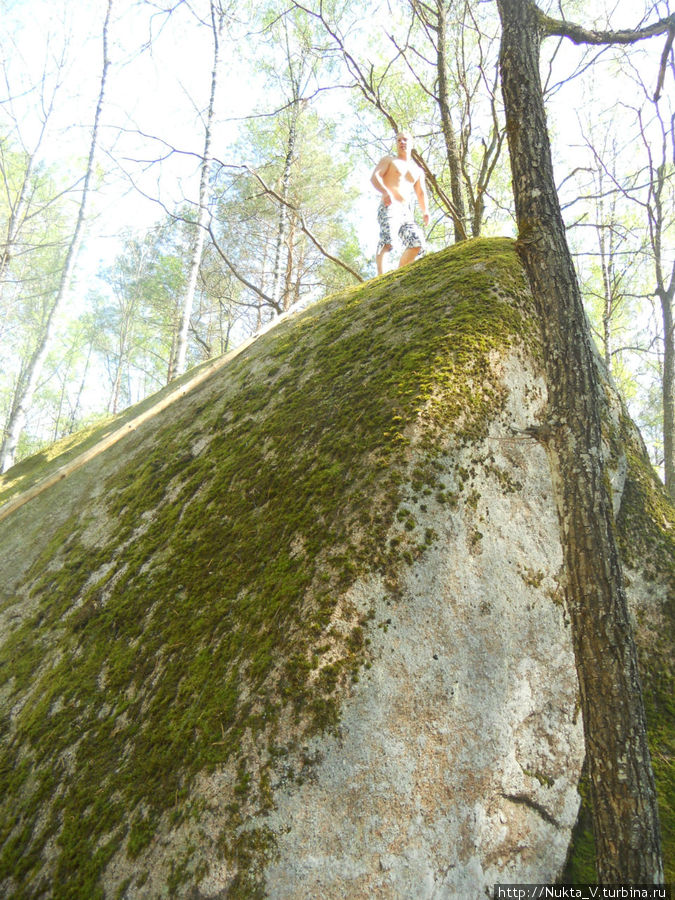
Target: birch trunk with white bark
178, 362
27, 386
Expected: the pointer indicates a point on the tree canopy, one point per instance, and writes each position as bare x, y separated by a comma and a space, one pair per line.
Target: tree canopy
313, 93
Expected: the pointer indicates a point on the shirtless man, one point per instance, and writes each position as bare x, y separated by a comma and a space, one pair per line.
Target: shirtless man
396, 178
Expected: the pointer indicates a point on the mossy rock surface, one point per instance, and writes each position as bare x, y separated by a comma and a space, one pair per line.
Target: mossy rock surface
171, 608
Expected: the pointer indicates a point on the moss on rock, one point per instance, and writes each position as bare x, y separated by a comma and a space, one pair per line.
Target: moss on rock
188, 613
203, 611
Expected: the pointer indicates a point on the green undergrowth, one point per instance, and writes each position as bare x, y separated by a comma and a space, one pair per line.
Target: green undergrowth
204, 615
646, 533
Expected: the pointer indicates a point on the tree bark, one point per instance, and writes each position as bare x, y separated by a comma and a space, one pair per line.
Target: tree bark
607, 253
451, 150
23, 400
279, 267
625, 817
287, 294
666, 298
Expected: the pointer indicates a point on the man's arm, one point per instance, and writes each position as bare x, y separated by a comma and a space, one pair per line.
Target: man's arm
377, 179
421, 193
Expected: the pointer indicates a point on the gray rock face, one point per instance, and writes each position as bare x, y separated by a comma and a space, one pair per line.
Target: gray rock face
459, 754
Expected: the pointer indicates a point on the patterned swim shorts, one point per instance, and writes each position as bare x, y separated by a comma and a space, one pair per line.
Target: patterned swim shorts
399, 219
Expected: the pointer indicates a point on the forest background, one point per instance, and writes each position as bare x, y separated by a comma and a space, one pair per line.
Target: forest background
176, 174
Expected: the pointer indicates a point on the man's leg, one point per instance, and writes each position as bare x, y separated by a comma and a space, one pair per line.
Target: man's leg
408, 256
412, 238
384, 244
379, 257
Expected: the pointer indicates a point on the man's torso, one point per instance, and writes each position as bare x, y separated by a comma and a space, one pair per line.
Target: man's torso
401, 175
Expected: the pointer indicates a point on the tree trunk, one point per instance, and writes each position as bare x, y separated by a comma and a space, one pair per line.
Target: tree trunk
280, 265
446, 122
287, 296
114, 402
625, 817
23, 401
178, 360
59, 408
665, 291
666, 298
299, 266
224, 327
72, 419
606, 264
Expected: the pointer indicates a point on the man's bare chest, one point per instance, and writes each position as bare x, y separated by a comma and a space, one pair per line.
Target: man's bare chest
402, 171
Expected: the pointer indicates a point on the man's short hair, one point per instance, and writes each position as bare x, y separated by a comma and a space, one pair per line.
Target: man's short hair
406, 134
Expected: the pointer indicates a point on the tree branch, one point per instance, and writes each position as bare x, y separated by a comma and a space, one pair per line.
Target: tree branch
440, 193
237, 274
580, 35
664, 62
303, 226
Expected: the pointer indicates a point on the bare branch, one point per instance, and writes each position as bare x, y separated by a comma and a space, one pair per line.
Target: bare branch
237, 274
271, 115
664, 62
411, 69
272, 193
440, 193
364, 81
580, 35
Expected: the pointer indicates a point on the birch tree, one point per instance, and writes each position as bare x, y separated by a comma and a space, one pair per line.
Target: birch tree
295, 64
27, 383
217, 19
